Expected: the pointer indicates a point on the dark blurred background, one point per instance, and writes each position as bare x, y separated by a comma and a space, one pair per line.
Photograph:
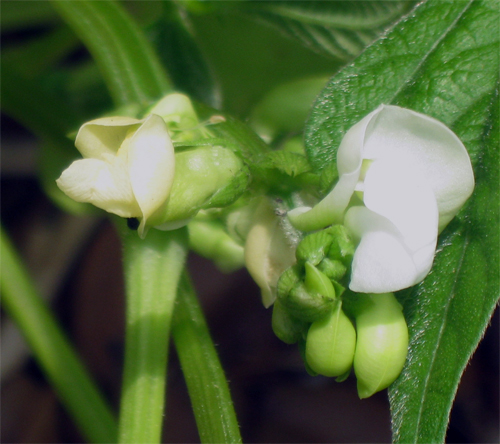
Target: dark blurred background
77, 266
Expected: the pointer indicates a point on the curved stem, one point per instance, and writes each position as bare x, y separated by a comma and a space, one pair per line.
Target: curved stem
152, 270
129, 65
52, 349
207, 385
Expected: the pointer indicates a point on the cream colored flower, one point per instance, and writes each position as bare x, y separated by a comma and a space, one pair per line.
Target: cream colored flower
127, 167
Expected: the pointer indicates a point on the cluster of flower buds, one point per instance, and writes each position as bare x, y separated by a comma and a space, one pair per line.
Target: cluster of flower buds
338, 330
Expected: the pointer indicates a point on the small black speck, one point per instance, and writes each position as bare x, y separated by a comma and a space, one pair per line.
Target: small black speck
133, 223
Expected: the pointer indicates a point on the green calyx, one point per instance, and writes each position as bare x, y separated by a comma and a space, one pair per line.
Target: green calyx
333, 243
338, 330
285, 326
205, 177
308, 290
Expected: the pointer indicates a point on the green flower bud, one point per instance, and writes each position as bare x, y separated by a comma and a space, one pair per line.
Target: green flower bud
313, 247
286, 107
287, 328
334, 243
382, 342
318, 282
205, 177
239, 221
304, 303
209, 239
334, 269
342, 247
330, 343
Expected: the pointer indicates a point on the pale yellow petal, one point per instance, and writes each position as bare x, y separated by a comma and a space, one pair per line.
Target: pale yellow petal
104, 185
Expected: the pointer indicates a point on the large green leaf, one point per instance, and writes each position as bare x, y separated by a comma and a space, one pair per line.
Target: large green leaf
448, 313
341, 29
441, 60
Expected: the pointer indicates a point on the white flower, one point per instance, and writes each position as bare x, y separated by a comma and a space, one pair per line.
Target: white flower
402, 177
127, 167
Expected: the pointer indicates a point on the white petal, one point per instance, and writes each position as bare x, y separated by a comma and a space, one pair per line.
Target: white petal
330, 210
427, 144
104, 185
351, 151
349, 160
151, 165
403, 196
381, 262
101, 138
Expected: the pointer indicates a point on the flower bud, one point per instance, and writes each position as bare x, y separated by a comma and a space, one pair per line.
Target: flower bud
330, 343
286, 327
209, 239
334, 269
180, 117
334, 242
267, 251
205, 177
303, 302
382, 343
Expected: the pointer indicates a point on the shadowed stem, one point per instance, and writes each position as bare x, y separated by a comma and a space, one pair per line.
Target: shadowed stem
152, 270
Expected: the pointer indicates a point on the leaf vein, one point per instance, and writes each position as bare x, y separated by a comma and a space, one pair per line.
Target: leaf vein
438, 338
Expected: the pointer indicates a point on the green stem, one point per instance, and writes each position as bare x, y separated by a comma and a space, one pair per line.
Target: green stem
129, 65
208, 388
52, 349
152, 271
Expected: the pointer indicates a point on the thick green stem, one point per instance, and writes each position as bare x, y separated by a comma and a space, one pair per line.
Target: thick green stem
152, 270
52, 350
129, 65
207, 385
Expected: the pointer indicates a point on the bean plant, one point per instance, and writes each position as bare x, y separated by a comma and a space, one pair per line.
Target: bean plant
345, 153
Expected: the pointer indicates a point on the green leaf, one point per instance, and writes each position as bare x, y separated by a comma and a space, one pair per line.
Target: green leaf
450, 310
341, 29
175, 42
129, 66
442, 60
50, 118
40, 53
